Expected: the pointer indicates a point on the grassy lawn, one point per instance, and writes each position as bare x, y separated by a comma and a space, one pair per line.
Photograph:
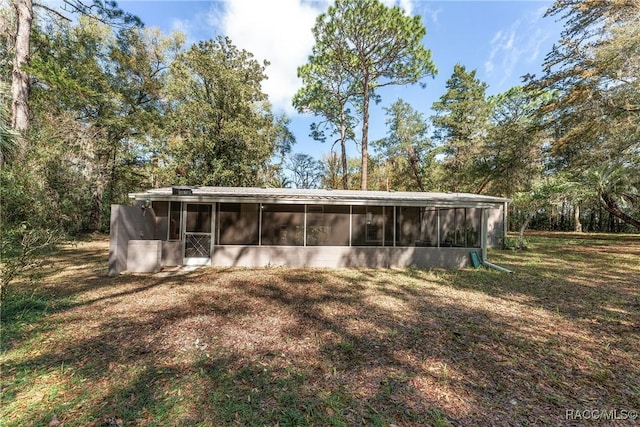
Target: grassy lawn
328, 347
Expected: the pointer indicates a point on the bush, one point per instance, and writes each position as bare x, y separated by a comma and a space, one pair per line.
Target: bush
23, 251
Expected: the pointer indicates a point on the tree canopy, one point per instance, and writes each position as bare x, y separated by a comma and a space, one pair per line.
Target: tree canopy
374, 46
223, 131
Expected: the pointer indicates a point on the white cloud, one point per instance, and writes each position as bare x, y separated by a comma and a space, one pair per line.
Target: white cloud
489, 66
520, 43
183, 26
433, 14
406, 5
199, 27
278, 31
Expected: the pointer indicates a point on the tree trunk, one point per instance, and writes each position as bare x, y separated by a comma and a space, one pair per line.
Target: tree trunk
523, 227
100, 173
599, 217
576, 216
483, 184
610, 223
20, 79
413, 161
365, 134
611, 206
95, 215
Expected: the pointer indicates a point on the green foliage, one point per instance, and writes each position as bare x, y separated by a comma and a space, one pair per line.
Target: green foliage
331, 171
616, 188
542, 194
461, 125
593, 110
116, 107
29, 224
592, 72
98, 103
373, 46
224, 131
512, 155
328, 91
407, 152
8, 136
23, 250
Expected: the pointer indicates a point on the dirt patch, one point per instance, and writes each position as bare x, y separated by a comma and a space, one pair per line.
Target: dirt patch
330, 347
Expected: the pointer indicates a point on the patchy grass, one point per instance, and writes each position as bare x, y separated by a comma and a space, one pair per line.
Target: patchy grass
328, 347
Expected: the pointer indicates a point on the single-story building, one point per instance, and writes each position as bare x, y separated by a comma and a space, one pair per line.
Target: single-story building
231, 226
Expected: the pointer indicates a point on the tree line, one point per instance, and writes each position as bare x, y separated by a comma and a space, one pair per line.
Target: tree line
98, 106
564, 146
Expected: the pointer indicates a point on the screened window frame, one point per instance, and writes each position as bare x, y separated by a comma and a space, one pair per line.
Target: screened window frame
178, 222
388, 220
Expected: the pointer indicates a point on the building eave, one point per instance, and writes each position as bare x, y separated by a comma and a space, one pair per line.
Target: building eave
330, 197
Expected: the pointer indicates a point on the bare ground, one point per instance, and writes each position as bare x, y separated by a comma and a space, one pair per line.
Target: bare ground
279, 346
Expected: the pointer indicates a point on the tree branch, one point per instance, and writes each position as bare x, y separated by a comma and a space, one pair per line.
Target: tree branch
50, 10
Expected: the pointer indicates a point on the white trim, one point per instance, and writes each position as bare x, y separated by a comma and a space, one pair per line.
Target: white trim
217, 229
505, 219
211, 198
285, 195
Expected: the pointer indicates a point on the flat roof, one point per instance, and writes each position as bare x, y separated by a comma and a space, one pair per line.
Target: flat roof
206, 194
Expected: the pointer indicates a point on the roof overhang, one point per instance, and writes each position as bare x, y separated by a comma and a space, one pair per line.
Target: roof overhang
328, 197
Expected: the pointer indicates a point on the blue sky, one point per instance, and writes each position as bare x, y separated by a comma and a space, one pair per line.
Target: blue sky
502, 40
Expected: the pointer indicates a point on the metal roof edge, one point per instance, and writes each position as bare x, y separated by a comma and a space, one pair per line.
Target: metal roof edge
325, 196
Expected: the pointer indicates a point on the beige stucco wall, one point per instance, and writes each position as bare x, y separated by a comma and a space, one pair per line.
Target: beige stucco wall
340, 256
127, 223
144, 256
495, 227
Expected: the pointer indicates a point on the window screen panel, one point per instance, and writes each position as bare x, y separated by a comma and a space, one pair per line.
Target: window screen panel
238, 223
327, 225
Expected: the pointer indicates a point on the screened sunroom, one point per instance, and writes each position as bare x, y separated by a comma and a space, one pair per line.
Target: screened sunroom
328, 228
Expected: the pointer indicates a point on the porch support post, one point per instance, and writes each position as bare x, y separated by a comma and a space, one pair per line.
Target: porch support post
384, 222
395, 225
483, 232
350, 223
505, 218
260, 224
438, 227
183, 229
213, 231
304, 232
